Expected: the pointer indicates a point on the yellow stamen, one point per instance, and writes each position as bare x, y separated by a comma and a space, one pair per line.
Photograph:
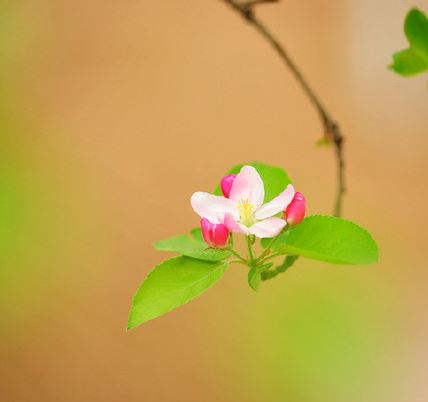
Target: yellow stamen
245, 209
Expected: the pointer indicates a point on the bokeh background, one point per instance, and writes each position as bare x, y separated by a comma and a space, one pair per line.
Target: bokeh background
113, 113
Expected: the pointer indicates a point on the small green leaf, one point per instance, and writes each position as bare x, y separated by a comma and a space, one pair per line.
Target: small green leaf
254, 278
287, 263
274, 178
254, 275
171, 284
416, 30
408, 63
413, 60
330, 239
322, 142
190, 247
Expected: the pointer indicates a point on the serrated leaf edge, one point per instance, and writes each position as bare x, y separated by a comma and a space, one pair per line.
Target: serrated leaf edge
348, 221
133, 302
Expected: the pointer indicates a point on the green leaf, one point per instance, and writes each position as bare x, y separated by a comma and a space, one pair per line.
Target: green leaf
254, 275
329, 239
197, 234
190, 247
274, 178
287, 263
322, 142
413, 60
416, 30
171, 284
408, 63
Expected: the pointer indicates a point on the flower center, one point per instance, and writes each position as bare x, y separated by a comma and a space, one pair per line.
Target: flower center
245, 209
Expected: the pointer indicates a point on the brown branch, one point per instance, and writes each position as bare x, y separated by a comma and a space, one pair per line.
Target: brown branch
332, 132
251, 3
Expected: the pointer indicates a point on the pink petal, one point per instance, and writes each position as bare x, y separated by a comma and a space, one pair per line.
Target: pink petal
212, 207
226, 184
215, 235
267, 228
278, 204
248, 185
296, 210
220, 235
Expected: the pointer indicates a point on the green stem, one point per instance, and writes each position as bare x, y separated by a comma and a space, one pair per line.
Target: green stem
238, 262
250, 251
267, 250
236, 254
269, 257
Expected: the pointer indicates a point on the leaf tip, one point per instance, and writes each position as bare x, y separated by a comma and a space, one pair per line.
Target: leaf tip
131, 324
254, 288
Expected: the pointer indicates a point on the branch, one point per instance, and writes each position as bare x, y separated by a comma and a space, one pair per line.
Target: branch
251, 3
332, 132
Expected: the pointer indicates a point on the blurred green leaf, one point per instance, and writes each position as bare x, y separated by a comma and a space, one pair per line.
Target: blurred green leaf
329, 239
171, 284
413, 60
274, 178
408, 63
322, 142
190, 247
416, 30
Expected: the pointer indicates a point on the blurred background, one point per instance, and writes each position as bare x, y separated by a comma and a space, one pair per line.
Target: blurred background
113, 113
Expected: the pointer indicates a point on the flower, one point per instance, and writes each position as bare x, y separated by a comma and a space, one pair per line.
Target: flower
295, 212
243, 210
215, 235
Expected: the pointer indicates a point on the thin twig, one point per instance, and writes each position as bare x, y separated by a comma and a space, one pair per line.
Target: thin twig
332, 132
251, 3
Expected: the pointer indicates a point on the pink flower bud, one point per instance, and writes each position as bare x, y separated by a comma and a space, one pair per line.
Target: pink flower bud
295, 212
226, 184
215, 235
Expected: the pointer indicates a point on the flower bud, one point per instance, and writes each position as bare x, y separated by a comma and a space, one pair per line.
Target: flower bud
295, 212
226, 184
215, 235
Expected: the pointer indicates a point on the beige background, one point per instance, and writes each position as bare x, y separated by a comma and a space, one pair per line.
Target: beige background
117, 112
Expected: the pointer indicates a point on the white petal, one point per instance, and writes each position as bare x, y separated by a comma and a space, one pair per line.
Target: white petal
278, 204
248, 185
233, 225
244, 229
268, 228
213, 207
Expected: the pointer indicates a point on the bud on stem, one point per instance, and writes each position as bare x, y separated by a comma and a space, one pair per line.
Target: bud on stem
226, 184
295, 212
214, 234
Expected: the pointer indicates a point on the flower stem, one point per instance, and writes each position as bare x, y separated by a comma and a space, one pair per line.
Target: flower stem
250, 251
238, 262
267, 250
236, 254
269, 257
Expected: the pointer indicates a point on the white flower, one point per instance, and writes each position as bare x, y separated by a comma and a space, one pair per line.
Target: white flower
243, 211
